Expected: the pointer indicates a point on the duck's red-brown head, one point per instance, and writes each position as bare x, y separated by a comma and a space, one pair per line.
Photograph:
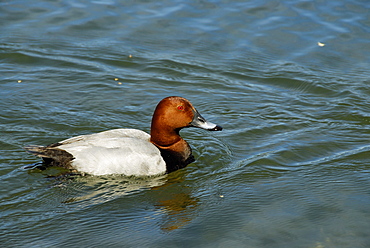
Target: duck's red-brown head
171, 115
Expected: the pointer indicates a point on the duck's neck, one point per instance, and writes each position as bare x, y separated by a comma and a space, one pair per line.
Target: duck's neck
175, 151
177, 155
181, 147
164, 137
167, 139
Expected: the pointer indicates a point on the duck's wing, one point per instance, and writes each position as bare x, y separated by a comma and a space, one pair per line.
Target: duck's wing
57, 155
118, 151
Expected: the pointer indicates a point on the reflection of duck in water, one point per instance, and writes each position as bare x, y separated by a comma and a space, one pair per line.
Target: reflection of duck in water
174, 203
131, 151
164, 198
178, 210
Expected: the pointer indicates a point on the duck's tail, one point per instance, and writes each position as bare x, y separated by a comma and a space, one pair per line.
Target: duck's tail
40, 151
52, 155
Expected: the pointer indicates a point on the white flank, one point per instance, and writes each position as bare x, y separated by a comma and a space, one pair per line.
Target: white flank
118, 151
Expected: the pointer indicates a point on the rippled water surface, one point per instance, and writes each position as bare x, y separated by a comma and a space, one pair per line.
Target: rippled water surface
289, 81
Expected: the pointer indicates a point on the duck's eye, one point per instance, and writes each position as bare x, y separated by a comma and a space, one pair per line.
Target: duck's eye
181, 108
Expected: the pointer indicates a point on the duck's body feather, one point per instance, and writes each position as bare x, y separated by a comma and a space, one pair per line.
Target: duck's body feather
117, 151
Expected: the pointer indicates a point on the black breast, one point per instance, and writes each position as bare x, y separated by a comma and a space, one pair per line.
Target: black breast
175, 161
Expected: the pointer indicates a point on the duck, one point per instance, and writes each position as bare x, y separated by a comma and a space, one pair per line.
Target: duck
131, 152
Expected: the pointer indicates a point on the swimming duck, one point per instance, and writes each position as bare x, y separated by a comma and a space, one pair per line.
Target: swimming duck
131, 152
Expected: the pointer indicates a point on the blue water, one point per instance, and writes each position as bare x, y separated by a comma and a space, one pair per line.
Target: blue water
289, 82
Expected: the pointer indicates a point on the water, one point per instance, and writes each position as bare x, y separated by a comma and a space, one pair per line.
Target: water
290, 169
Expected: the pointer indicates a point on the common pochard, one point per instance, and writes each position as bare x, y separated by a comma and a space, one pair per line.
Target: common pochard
131, 152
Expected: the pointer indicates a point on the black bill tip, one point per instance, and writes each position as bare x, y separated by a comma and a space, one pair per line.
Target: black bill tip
216, 128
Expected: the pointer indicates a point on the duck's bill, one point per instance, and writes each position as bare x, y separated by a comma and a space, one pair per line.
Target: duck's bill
199, 121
